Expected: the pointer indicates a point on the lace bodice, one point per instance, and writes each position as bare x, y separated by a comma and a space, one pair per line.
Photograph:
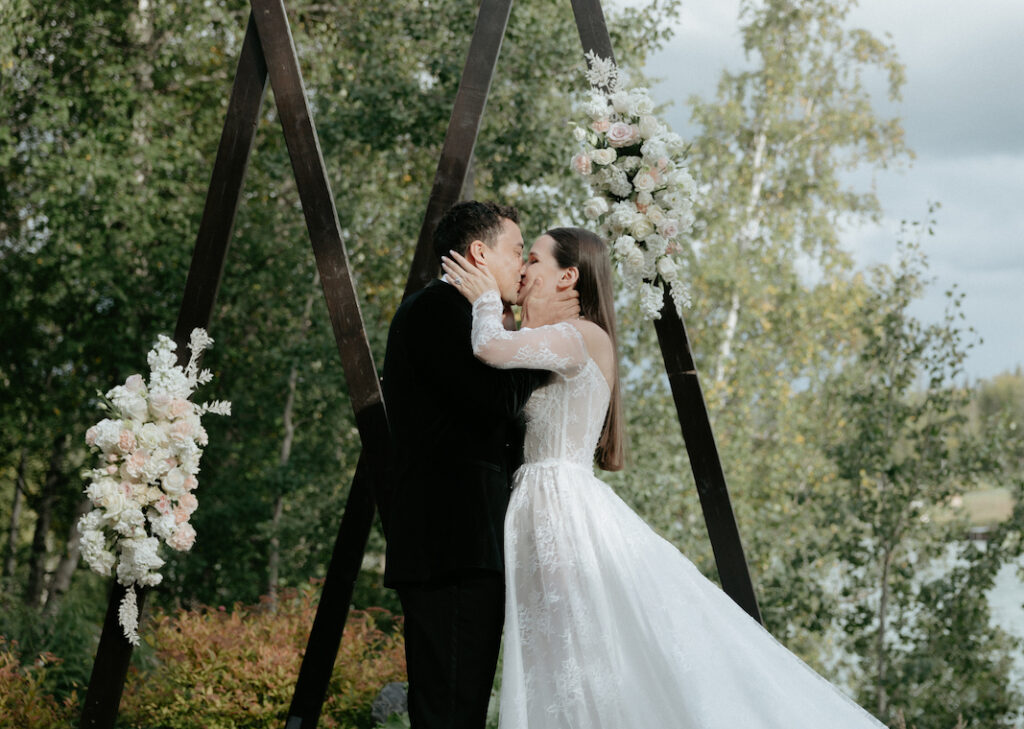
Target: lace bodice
566, 414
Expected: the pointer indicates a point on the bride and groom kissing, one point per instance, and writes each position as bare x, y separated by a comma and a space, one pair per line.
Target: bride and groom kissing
493, 515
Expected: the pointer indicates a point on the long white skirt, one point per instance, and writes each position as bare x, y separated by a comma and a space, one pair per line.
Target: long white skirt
609, 626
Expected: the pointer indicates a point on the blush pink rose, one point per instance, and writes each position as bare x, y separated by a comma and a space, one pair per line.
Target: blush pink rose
621, 134
163, 505
183, 538
180, 407
188, 502
134, 383
191, 482
601, 125
581, 164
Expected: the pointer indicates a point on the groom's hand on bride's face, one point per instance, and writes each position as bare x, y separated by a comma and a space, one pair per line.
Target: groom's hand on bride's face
542, 307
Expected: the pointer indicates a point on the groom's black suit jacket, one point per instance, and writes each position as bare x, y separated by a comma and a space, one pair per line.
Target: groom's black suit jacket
456, 439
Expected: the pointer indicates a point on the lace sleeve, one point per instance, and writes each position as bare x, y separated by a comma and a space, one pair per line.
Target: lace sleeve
556, 347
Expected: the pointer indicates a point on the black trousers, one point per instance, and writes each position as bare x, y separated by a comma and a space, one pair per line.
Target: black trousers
452, 637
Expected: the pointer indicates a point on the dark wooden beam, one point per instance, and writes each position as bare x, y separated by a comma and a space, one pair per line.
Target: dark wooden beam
689, 400
110, 667
463, 128
356, 358
704, 460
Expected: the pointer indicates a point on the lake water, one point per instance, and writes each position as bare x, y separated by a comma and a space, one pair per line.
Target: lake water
1006, 599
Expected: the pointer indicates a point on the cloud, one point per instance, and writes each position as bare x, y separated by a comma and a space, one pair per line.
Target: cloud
963, 111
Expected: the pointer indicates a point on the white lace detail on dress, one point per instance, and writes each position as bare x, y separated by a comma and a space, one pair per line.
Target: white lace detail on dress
566, 414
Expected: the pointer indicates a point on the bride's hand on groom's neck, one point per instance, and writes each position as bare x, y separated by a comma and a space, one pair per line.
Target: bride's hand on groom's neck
543, 306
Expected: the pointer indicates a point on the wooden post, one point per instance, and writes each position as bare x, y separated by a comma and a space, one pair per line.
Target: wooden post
686, 393
110, 667
463, 128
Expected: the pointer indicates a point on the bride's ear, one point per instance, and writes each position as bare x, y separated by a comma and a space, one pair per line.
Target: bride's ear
568, 278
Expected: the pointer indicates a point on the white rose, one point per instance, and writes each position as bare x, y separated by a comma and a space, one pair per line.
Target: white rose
668, 269
174, 482
644, 198
579, 133
649, 126
160, 405
642, 227
621, 134
669, 228
99, 490
595, 207
644, 181
132, 404
655, 215
620, 102
604, 156
640, 103
151, 436
114, 502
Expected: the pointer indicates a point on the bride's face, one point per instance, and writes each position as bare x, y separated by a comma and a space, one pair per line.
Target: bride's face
541, 264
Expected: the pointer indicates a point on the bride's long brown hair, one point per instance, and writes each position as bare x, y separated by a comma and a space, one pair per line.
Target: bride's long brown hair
589, 254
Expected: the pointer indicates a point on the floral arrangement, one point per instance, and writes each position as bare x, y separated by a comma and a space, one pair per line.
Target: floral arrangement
642, 193
142, 490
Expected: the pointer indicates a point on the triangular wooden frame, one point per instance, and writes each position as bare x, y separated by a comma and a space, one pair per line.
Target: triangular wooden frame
268, 51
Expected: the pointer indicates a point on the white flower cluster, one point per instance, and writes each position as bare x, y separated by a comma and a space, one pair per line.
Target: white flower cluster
642, 194
142, 490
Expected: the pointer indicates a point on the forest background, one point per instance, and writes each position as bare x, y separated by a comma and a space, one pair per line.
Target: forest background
859, 455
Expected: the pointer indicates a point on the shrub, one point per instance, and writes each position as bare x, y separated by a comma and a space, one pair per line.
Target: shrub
220, 669
25, 701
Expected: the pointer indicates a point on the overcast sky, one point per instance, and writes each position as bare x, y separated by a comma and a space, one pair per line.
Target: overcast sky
963, 110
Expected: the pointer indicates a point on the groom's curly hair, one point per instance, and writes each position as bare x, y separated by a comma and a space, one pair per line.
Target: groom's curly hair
468, 221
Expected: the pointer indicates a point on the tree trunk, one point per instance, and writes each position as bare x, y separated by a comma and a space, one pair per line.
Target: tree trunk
10, 559
142, 30
274, 559
883, 610
60, 583
44, 515
288, 421
748, 233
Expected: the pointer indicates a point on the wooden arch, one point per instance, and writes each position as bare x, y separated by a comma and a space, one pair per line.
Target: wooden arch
268, 53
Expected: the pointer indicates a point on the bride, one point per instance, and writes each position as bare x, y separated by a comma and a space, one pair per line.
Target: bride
607, 625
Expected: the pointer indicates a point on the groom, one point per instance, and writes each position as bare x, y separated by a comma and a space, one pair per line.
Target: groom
456, 439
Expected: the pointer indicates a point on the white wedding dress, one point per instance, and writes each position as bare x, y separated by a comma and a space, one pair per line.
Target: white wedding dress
609, 626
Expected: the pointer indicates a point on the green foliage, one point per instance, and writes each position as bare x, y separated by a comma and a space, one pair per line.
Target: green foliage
915, 607
24, 696
71, 634
213, 668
